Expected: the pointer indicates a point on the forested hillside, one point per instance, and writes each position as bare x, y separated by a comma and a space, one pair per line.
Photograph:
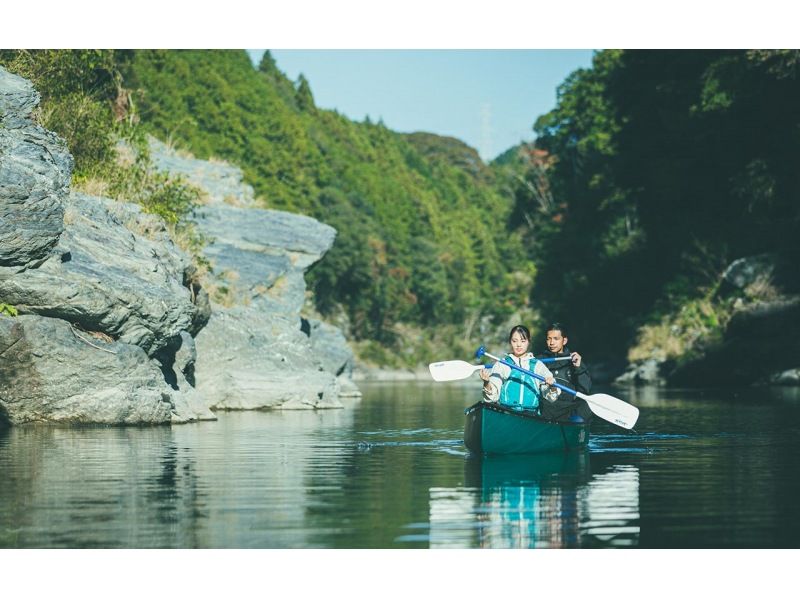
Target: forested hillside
653, 172
422, 254
663, 166
422, 237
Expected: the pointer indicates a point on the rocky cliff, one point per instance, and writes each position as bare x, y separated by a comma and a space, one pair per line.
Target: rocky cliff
113, 326
103, 331
257, 351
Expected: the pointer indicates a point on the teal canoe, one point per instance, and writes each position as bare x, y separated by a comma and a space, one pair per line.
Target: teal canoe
494, 429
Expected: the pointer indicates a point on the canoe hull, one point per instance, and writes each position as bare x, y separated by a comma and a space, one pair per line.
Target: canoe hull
493, 429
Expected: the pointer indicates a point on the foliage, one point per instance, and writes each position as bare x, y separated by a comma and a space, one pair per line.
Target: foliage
80, 90
421, 238
654, 170
694, 326
666, 165
83, 100
8, 310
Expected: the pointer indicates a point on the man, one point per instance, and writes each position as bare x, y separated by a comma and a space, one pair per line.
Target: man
572, 374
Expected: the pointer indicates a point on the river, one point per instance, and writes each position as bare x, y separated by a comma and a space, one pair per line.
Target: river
703, 469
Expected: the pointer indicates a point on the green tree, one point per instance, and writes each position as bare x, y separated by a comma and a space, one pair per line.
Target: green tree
304, 98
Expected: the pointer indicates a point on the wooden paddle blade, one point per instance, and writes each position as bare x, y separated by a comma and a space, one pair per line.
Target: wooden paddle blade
612, 409
445, 371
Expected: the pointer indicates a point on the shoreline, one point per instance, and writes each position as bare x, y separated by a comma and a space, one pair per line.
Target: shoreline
362, 373
366, 374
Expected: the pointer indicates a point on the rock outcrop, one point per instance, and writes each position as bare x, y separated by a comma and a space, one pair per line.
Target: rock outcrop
330, 346
646, 372
53, 373
105, 275
99, 286
221, 182
758, 345
35, 169
114, 327
256, 351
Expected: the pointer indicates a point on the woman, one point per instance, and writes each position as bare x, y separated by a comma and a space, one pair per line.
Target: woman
511, 387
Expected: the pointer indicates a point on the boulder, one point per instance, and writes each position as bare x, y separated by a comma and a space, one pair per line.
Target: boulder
253, 354
745, 271
646, 372
250, 359
261, 255
336, 357
787, 378
52, 372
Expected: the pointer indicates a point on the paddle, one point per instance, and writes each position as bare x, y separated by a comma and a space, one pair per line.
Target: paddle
605, 406
445, 371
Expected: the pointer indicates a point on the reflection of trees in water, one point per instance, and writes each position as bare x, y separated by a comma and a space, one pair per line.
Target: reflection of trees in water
536, 501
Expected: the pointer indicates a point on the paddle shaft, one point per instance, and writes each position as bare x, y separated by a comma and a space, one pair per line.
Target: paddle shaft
552, 359
535, 375
543, 360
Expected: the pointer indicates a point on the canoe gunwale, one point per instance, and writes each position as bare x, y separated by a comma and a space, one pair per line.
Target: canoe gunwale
524, 413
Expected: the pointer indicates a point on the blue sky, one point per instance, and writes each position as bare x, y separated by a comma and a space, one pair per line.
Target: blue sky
487, 98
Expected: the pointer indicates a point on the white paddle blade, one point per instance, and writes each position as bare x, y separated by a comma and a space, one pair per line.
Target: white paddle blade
444, 371
612, 409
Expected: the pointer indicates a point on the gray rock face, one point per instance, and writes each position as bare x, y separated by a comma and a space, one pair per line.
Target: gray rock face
327, 341
223, 183
647, 372
100, 287
329, 344
747, 270
35, 169
106, 278
249, 359
253, 353
53, 373
787, 378
255, 251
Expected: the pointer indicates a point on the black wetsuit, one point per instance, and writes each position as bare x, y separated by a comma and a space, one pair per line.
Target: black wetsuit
567, 405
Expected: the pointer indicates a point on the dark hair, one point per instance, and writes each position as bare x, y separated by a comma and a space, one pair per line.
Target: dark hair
523, 332
557, 326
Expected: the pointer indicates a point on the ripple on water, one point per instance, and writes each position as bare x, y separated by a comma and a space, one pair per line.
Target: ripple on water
392, 471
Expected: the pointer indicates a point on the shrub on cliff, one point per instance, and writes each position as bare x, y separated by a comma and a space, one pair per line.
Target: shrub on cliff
8, 310
84, 101
79, 89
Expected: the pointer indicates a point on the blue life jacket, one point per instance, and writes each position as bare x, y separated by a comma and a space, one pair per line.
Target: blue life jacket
520, 390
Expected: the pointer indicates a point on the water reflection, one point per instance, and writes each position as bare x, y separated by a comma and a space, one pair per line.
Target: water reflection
536, 501
242, 481
610, 508
703, 469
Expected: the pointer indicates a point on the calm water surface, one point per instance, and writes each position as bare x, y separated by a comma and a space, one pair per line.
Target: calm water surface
703, 469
